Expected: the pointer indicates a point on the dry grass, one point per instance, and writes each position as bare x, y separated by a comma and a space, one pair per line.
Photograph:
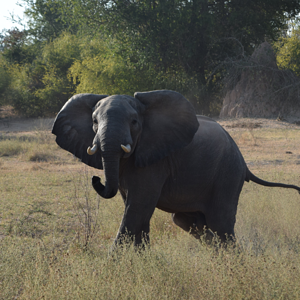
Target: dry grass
10, 146
42, 232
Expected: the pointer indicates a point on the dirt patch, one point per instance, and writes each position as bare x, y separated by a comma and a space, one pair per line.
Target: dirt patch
29, 125
25, 124
242, 124
10, 121
265, 162
250, 123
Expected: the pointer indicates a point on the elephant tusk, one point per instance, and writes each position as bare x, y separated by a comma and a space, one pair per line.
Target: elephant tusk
126, 148
93, 150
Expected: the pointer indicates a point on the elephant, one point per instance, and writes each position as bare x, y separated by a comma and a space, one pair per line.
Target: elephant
158, 153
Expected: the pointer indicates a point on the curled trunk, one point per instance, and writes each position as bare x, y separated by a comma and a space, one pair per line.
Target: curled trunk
111, 171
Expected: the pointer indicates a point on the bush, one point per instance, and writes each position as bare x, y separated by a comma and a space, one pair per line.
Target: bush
288, 52
57, 57
84, 64
105, 68
40, 88
4, 80
10, 147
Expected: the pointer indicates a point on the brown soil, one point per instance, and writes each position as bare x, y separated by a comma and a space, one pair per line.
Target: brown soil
17, 124
252, 123
10, 122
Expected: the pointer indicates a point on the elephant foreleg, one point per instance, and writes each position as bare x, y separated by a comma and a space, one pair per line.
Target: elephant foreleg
135, 226
141, 192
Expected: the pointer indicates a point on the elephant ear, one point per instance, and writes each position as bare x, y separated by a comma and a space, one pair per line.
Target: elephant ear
170, 124
73, 128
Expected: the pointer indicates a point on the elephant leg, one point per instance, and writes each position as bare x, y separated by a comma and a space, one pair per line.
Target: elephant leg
194, 223
221, 215
143, 238
142, 189
223, 225
135, 227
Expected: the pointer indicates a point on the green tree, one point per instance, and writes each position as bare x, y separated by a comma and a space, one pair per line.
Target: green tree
121, 46
41, 87
101, 69
190, 36
46, 19
15, 46
288, 51
4, 80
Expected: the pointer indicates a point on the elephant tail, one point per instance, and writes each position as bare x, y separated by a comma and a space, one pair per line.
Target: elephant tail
252, 177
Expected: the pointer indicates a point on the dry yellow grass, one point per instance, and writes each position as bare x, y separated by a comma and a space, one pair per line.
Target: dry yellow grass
42, 234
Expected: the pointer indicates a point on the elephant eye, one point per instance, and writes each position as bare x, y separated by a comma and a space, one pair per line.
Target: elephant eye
133, 122
95, 121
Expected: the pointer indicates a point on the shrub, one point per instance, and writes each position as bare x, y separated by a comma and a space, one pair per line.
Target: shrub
288, 51
10, 147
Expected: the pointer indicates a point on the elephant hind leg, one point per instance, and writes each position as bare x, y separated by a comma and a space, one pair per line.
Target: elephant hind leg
222, 208
223, 225
194, 223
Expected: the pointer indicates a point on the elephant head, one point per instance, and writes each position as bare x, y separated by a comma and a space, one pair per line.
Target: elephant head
101, 130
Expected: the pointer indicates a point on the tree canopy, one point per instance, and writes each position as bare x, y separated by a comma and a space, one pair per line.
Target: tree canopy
121, 46
288, 51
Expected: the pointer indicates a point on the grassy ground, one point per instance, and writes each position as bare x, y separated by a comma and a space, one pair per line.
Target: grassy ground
55, 233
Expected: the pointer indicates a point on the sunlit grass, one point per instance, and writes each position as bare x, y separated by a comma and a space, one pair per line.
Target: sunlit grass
11, 148
42, 236
177, 268
36, 146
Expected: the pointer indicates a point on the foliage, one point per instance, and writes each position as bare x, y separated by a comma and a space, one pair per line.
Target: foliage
105, 67
125, 46
102, 70
19, 92
57, 57
288, 51
40, 88
189, 37
45, 19
4, 79
13, 45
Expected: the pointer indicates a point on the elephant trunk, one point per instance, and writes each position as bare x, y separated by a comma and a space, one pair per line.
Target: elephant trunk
111, 171
110, 138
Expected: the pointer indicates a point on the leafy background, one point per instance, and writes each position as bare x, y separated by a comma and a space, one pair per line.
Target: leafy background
112, 47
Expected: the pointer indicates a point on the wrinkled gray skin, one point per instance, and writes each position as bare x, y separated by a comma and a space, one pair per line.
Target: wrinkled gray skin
181, 163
